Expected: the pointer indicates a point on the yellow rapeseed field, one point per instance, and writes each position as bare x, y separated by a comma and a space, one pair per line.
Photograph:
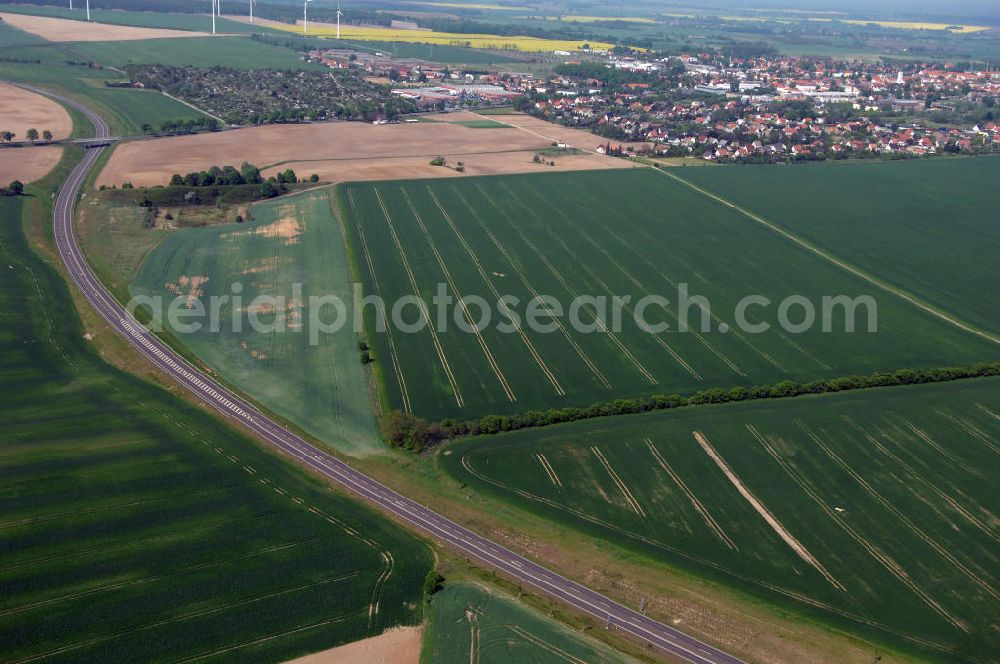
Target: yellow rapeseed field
512, 43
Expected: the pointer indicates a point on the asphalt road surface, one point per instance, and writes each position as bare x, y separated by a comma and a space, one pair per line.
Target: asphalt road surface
230, 405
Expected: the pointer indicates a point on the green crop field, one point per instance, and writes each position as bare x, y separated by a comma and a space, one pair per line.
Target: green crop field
135, 525
322, 387
469, 623
926, 226
874, 510
235, 52
603, 234
482, 124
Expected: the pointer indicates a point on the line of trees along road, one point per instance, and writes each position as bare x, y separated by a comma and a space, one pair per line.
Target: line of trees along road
30, 135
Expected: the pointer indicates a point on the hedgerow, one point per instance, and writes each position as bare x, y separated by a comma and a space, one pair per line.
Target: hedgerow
406, 431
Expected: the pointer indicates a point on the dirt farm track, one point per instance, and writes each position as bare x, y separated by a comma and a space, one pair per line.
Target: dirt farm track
341, 151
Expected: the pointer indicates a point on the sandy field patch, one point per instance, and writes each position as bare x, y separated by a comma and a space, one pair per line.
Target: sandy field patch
66, 30
27, 164
20, 110
152, 162
395, 646
409, 168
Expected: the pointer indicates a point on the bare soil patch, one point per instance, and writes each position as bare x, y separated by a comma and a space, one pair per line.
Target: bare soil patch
27, 164
340, 151
189, 285
21, 110
395, 646
66, 30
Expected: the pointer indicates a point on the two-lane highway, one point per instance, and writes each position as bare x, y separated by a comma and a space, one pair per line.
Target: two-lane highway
230, 405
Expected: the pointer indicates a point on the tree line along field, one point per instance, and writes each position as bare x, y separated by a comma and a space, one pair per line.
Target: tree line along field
295, 240
135, 524
926, 226
876, 511
469, 623
604, 233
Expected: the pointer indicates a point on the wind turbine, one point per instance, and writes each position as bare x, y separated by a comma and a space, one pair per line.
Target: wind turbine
305, 16
88, 10
251, 11
339, 14
213, 16
219, 3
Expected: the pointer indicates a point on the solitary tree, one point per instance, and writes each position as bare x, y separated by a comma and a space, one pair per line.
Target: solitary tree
16, 187
7, 136
32, 135
47, 135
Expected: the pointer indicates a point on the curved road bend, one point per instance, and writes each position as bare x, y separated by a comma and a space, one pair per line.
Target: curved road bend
228, 404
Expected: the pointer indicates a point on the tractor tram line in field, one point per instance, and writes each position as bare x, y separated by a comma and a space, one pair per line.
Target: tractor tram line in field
396, 367
566, 249
885, 503
616, 478
542, 365
642, 231
872, 533
687, 555
643, 325
518, 269
609, 334
944, 497
487, 353
971, 430
943, 453
643, 258
988, 411
693, 499
891, 565
764, 512
423, 309
917, 302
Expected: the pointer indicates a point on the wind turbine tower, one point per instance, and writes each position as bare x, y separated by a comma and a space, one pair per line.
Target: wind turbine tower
213, 16
88, 10
305, 17
251, 11
339, 14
